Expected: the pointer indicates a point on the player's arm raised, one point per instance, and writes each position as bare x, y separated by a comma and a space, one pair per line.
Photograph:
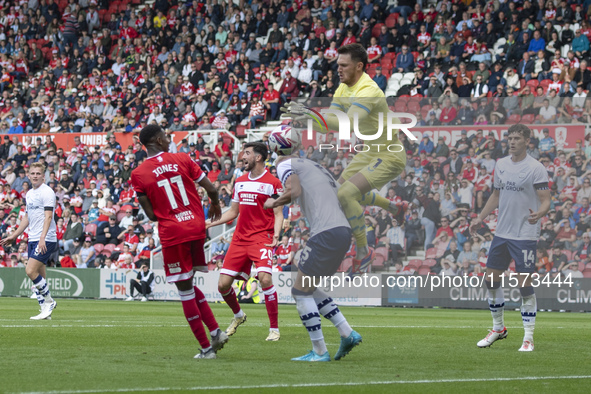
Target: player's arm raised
227, 216
215, 211
291, 190
491, 205
21, 228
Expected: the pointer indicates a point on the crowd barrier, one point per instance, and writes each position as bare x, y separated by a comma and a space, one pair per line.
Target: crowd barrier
386, 289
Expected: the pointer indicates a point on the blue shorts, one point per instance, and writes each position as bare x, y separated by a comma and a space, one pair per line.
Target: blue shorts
325, 252
44, 258
503, 250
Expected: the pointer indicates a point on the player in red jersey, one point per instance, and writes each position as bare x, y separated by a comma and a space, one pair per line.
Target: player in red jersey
257, 233
165, 186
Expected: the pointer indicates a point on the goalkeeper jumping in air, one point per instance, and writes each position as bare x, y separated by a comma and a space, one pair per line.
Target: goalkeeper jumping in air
359, 96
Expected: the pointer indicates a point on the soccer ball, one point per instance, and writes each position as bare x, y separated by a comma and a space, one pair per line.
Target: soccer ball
284, 140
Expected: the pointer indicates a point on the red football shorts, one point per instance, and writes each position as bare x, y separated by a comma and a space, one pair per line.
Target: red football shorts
239, 259
181, 260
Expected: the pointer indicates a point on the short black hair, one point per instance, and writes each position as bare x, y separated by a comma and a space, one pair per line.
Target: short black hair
259, 148
148, 133
357, 52
520, 129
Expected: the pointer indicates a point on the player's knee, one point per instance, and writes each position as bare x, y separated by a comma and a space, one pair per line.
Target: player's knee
266, 280
301, 292
348, 192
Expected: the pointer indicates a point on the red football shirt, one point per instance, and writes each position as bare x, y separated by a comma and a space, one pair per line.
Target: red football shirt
168, 180
255, 224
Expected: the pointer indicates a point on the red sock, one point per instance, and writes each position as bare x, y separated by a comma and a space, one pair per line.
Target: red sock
191, 311
206, 313
231, 300
272, 306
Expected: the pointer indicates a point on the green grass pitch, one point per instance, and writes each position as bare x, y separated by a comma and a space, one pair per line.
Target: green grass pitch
113, 346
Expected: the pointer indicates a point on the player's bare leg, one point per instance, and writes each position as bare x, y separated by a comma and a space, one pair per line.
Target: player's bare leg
193, 316
271, 303
35, 270
350, 195
496, 304
229, 295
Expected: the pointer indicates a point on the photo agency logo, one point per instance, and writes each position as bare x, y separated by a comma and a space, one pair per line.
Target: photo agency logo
388, 123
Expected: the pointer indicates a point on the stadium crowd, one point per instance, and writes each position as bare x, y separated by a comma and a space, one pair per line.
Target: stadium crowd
106, 66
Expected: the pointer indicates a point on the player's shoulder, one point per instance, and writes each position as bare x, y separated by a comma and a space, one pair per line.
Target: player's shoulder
535, 163
368, 88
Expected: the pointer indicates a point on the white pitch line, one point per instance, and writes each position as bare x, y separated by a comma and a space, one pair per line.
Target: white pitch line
152, 324
272, 386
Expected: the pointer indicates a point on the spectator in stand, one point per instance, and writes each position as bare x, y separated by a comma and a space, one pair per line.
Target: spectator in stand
74, 230
108, 232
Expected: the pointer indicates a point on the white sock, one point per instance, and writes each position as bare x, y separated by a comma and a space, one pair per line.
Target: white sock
239, 314
214, 332
310, 318
330, 310
529, 309
496, 304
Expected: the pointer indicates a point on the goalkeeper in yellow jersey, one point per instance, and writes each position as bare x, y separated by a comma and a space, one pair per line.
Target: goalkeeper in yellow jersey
380, 158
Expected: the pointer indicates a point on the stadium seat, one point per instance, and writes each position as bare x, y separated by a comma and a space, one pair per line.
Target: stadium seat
120, 215
400, 106
106, 253
431, 253
528, 119
532, 83
346, 264
375, 31
409, 268
382, 251
109, 248
424, 270
415, 263
413, 106
587, 274
391, 20
544, 84
568, 254
514, 118
99, 248
430, 262
90, 229
378, 262
147, 226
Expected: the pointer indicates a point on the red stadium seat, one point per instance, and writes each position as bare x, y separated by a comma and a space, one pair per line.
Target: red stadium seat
382, 251
90, 229
378, 262
528, 119
545, 83
532, 83
346, 264
430, 262
99, 248
568, 254
109, 248
147, 226
375, 31
424, 270
391, 20
120, 215
431, 253
514, 118
391, 56
106, 253
400, 106
413, 106
416, 263
587, 274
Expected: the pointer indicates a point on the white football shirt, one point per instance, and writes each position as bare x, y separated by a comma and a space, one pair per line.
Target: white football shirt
38, 201
318, 201
518, 184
